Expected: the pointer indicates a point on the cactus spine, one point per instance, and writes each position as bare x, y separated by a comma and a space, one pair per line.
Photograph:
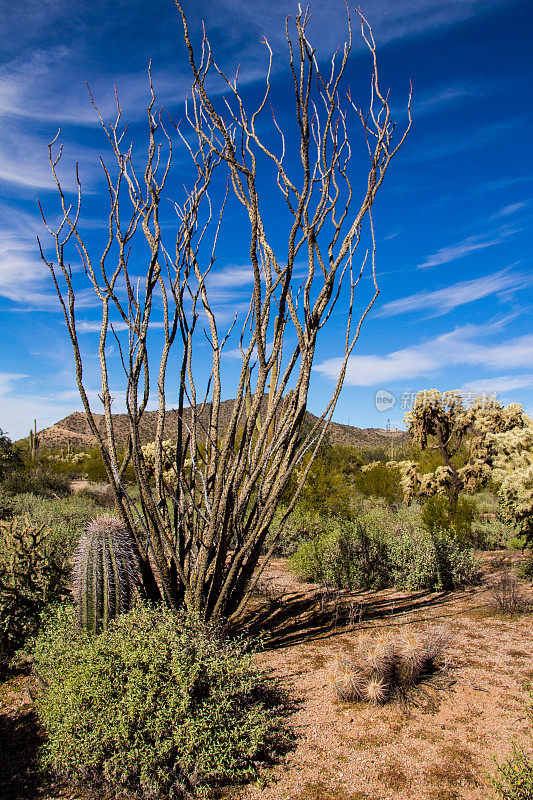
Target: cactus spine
106, 574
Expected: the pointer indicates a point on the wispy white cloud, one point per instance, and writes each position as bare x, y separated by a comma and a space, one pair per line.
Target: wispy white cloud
23, 277
512, 208
456, 348
499, 385
19, 406
462, 249
441, 301
233, 276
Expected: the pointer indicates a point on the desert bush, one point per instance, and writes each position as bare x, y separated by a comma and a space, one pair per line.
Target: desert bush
346, 555
6, 505
155, 706
382, 549
300, 527
100, 493
10, 458
525, 571
380, 481
37, 481
513, 779
386, 668
421, 559
328, 489
437, 515
65, 517
33, 573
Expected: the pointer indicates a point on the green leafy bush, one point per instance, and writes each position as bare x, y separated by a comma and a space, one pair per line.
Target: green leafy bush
328, 488
525, 571
64, 517
6, 505
38, 481
155, 706
346, 555
300, 527
10, 458
436, 515
33, 573
513, 780
384, 549
380, 481
421, 559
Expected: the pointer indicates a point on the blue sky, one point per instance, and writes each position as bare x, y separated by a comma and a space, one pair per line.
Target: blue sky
453, 220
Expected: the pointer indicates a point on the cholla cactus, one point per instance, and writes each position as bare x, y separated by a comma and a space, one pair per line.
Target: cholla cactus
513, 470
441, 422
168, 460
106, 572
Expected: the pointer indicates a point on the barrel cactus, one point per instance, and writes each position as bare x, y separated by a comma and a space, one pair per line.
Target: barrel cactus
106, 574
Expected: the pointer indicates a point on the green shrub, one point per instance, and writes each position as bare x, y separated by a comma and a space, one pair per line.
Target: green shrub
300, 527
38, 481
33, 574
346, 555
154, 706
525, 571
384, 549
420, 559
10, 458
436, 515
513, 780
64, 517
6, 505
380, 481
100, 493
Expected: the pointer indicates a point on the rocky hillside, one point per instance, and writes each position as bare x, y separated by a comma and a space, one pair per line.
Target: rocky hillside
74, 429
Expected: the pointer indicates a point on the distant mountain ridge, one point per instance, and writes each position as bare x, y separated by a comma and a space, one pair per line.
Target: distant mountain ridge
75, 429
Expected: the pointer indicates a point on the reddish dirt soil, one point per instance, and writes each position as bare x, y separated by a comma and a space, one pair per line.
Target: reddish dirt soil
440, 747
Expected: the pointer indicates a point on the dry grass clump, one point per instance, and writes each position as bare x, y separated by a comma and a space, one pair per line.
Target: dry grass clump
385, 668
507, 597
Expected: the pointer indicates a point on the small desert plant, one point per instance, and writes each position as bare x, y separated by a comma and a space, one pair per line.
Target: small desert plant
156, 706
33, 574
525, 571
513, 780
507, 597
106, 572
385, 668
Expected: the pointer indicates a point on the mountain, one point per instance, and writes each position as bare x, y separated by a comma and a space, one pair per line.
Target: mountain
74, 429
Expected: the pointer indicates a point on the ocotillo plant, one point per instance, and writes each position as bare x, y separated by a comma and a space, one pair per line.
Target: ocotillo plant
106, 572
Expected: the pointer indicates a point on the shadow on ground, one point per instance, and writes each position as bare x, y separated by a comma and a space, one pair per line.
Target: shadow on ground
19, 742
318, 614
